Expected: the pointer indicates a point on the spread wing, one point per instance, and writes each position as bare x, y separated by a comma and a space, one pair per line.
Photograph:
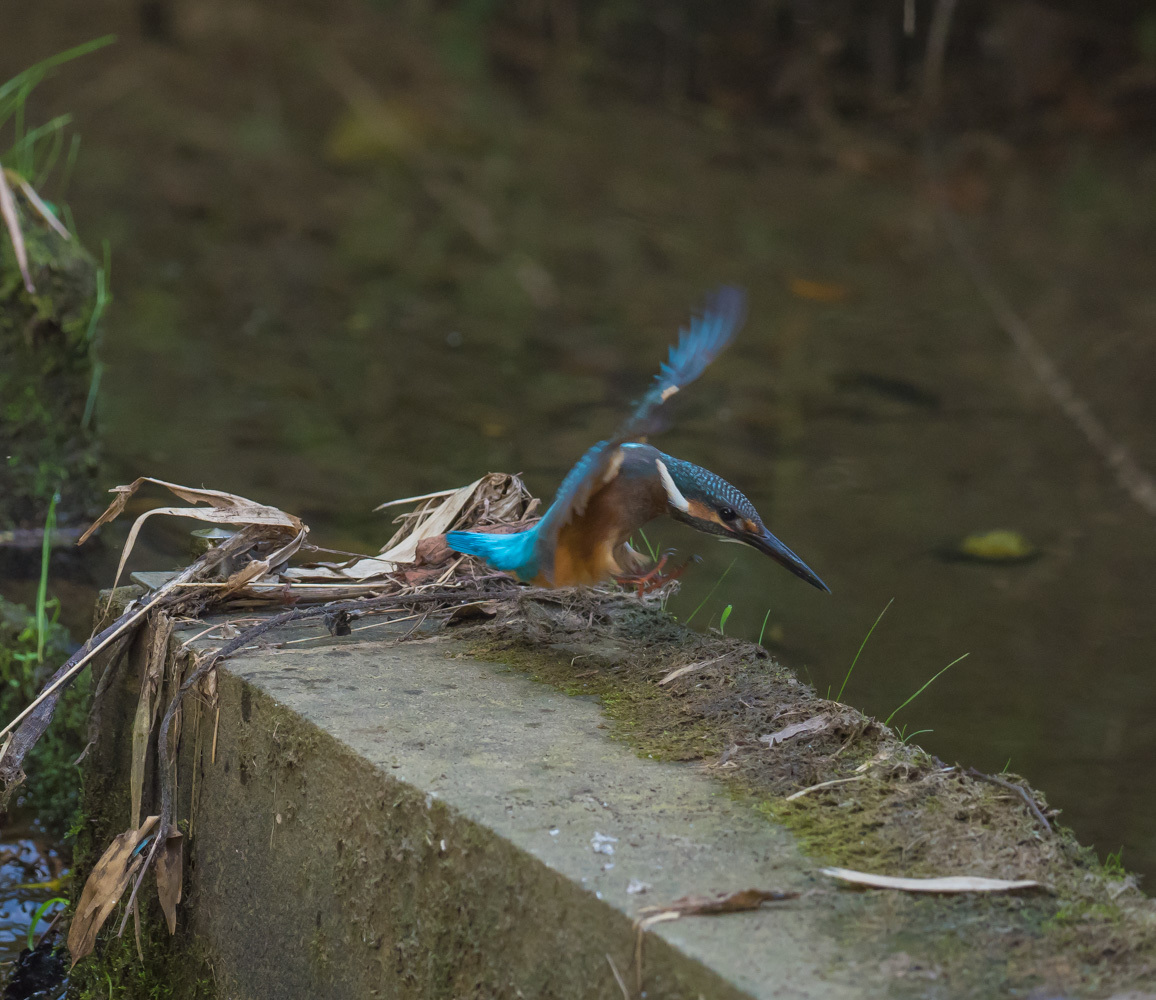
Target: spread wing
698, 345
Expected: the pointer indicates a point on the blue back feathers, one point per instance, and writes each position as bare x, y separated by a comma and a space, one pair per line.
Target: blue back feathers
510, 553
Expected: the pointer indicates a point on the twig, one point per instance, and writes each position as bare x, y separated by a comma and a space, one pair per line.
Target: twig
1020, 790
675, 674
618, 977
823, 784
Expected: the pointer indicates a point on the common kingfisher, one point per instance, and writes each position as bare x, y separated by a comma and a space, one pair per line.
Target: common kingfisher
621, 484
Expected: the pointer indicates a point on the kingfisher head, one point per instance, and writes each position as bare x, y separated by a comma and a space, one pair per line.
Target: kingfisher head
709, 503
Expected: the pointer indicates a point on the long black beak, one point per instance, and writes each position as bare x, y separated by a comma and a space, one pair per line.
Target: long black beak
771, 546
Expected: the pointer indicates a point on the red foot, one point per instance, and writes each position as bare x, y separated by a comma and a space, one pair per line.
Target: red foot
654, 578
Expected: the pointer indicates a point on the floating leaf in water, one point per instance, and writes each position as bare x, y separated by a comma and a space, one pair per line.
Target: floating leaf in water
996, 546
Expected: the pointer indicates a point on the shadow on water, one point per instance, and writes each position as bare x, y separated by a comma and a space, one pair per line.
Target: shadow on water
342, 276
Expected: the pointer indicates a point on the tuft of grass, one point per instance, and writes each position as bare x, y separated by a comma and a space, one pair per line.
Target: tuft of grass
1114, 864
926, 685
847, 676
34, 152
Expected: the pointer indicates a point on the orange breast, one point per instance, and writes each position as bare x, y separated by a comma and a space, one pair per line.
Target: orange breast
584, 554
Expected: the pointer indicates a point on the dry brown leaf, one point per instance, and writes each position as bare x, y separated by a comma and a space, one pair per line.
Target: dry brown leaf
106, 884
698, 904
15, 233
949, 884
223, 508
477, 611
496, 498
146, 709
816, 724
169, 872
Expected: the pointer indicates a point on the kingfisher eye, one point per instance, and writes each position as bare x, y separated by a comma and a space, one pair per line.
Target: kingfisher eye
727, 513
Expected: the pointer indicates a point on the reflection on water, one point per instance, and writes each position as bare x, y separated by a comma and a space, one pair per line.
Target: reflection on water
31, 873
316, 313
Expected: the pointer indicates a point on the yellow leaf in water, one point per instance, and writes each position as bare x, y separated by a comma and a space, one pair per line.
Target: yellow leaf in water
818, 291
997, 546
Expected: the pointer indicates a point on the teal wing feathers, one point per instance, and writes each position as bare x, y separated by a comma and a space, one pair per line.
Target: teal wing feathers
708, 334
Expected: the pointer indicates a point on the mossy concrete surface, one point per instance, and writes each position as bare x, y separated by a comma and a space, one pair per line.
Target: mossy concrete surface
409, 822
369, 816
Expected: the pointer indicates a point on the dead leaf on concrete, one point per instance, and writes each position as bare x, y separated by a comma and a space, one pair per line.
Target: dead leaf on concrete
169, 872
815, 724
949, 884
697, 904
106, 884
474, 612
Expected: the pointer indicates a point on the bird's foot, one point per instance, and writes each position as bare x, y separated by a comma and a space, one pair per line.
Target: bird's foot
655, 578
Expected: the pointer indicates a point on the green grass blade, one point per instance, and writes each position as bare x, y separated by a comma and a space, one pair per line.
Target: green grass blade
766, 618
928, 684
38, 914
28, 79
722, 622
649, 548
847, 676
42, 589
712, 590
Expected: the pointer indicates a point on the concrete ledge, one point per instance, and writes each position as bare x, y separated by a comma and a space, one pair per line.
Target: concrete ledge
443, 846
386, 819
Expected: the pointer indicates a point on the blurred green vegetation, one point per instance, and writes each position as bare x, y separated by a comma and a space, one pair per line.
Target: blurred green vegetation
49, 371
52, 790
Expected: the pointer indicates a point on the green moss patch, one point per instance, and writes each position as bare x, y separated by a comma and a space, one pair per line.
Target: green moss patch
889, 807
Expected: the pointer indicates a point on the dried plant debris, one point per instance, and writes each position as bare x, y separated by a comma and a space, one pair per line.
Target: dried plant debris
709, 904
246, 565
945, 885
106, 884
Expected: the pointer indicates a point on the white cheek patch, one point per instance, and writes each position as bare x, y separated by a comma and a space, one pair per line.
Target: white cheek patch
673, 493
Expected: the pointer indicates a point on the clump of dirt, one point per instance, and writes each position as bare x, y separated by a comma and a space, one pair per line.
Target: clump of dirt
870, 800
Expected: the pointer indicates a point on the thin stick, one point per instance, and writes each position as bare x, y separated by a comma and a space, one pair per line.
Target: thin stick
424, 496
822, 784
114, 631
675, 674
360, 628
1023, 793
618, 977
